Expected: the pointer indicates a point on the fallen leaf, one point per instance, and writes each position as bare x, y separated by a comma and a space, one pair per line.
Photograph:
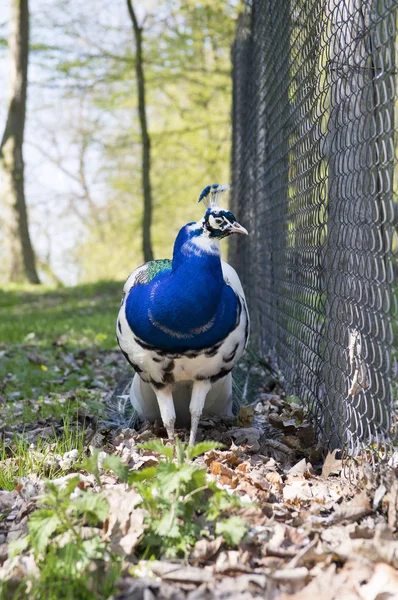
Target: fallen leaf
274, 478
287, 575
231, 561
383, 585
243, 468
320, 492
299, 468
393, 506
245, 416
352, 511
332, 465
256, 479
183, 574
249, 436
328, 584
297, 491
206, 549
242, 587
280, 422
125, 524
217, 468
379, 495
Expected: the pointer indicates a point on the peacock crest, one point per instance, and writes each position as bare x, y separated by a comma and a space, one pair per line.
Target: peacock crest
212, 194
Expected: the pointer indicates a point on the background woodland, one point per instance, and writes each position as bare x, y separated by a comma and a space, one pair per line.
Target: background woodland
127, 118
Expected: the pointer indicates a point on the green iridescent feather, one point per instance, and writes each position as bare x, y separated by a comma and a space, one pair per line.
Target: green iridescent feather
157, 266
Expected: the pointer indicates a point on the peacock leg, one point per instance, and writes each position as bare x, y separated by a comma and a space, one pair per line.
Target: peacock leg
198, 398
167, 411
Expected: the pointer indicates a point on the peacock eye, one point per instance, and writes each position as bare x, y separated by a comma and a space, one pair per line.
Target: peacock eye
219, 221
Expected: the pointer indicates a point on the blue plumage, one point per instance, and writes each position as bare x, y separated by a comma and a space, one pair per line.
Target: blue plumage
189, 307
183, 324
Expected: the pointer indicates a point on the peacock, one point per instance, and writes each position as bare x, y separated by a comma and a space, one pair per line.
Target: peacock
183, 324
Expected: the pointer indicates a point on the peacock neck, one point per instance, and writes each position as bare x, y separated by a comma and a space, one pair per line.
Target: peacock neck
190, 294
197, 264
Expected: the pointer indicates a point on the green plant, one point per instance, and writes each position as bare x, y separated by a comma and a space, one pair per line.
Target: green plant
181, 505
64, 536
66, 544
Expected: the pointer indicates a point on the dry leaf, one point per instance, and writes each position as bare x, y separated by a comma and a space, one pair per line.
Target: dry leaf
246, 416
217, 468
205, 549
242, 587
332, 465
231, 561
291, 442
352, 511
379, 495
393, 506
183, 574
125, 524
297, 491
328, 584
136, 528
383, 585
243, 468
290, 575
227, 481
280, 422
233, 458
320, 492
230, 457
249, 436
258, 480
274, 478
299, 468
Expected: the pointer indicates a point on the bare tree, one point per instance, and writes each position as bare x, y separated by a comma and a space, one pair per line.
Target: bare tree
146, 145
20, 256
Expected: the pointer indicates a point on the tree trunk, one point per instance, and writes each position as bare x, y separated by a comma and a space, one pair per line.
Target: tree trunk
20, 257
146, 145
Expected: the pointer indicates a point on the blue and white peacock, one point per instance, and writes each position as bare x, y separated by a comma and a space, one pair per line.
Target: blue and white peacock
183, 324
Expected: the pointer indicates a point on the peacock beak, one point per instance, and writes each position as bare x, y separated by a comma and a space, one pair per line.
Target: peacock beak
237, 228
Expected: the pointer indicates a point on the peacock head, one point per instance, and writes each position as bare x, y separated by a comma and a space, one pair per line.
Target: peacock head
218, 222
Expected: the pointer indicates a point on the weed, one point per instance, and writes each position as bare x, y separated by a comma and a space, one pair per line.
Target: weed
64, 553
181, 505
64, 535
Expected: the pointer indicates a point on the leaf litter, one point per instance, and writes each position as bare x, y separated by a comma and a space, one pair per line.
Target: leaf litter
300, 528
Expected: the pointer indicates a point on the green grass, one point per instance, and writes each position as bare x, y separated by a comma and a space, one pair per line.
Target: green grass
78, 316
20, 458
49, 340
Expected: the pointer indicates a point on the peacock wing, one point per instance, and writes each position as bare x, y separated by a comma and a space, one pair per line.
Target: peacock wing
145, 273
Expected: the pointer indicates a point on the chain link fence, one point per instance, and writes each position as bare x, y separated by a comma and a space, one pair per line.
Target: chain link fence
314, 179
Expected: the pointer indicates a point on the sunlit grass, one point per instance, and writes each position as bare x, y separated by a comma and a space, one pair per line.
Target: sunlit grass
20, 457
47, 337
80, 315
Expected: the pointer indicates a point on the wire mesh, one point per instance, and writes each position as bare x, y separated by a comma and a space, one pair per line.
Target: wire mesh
314, 177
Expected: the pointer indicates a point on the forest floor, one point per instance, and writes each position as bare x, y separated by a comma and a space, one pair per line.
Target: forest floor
91, 508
